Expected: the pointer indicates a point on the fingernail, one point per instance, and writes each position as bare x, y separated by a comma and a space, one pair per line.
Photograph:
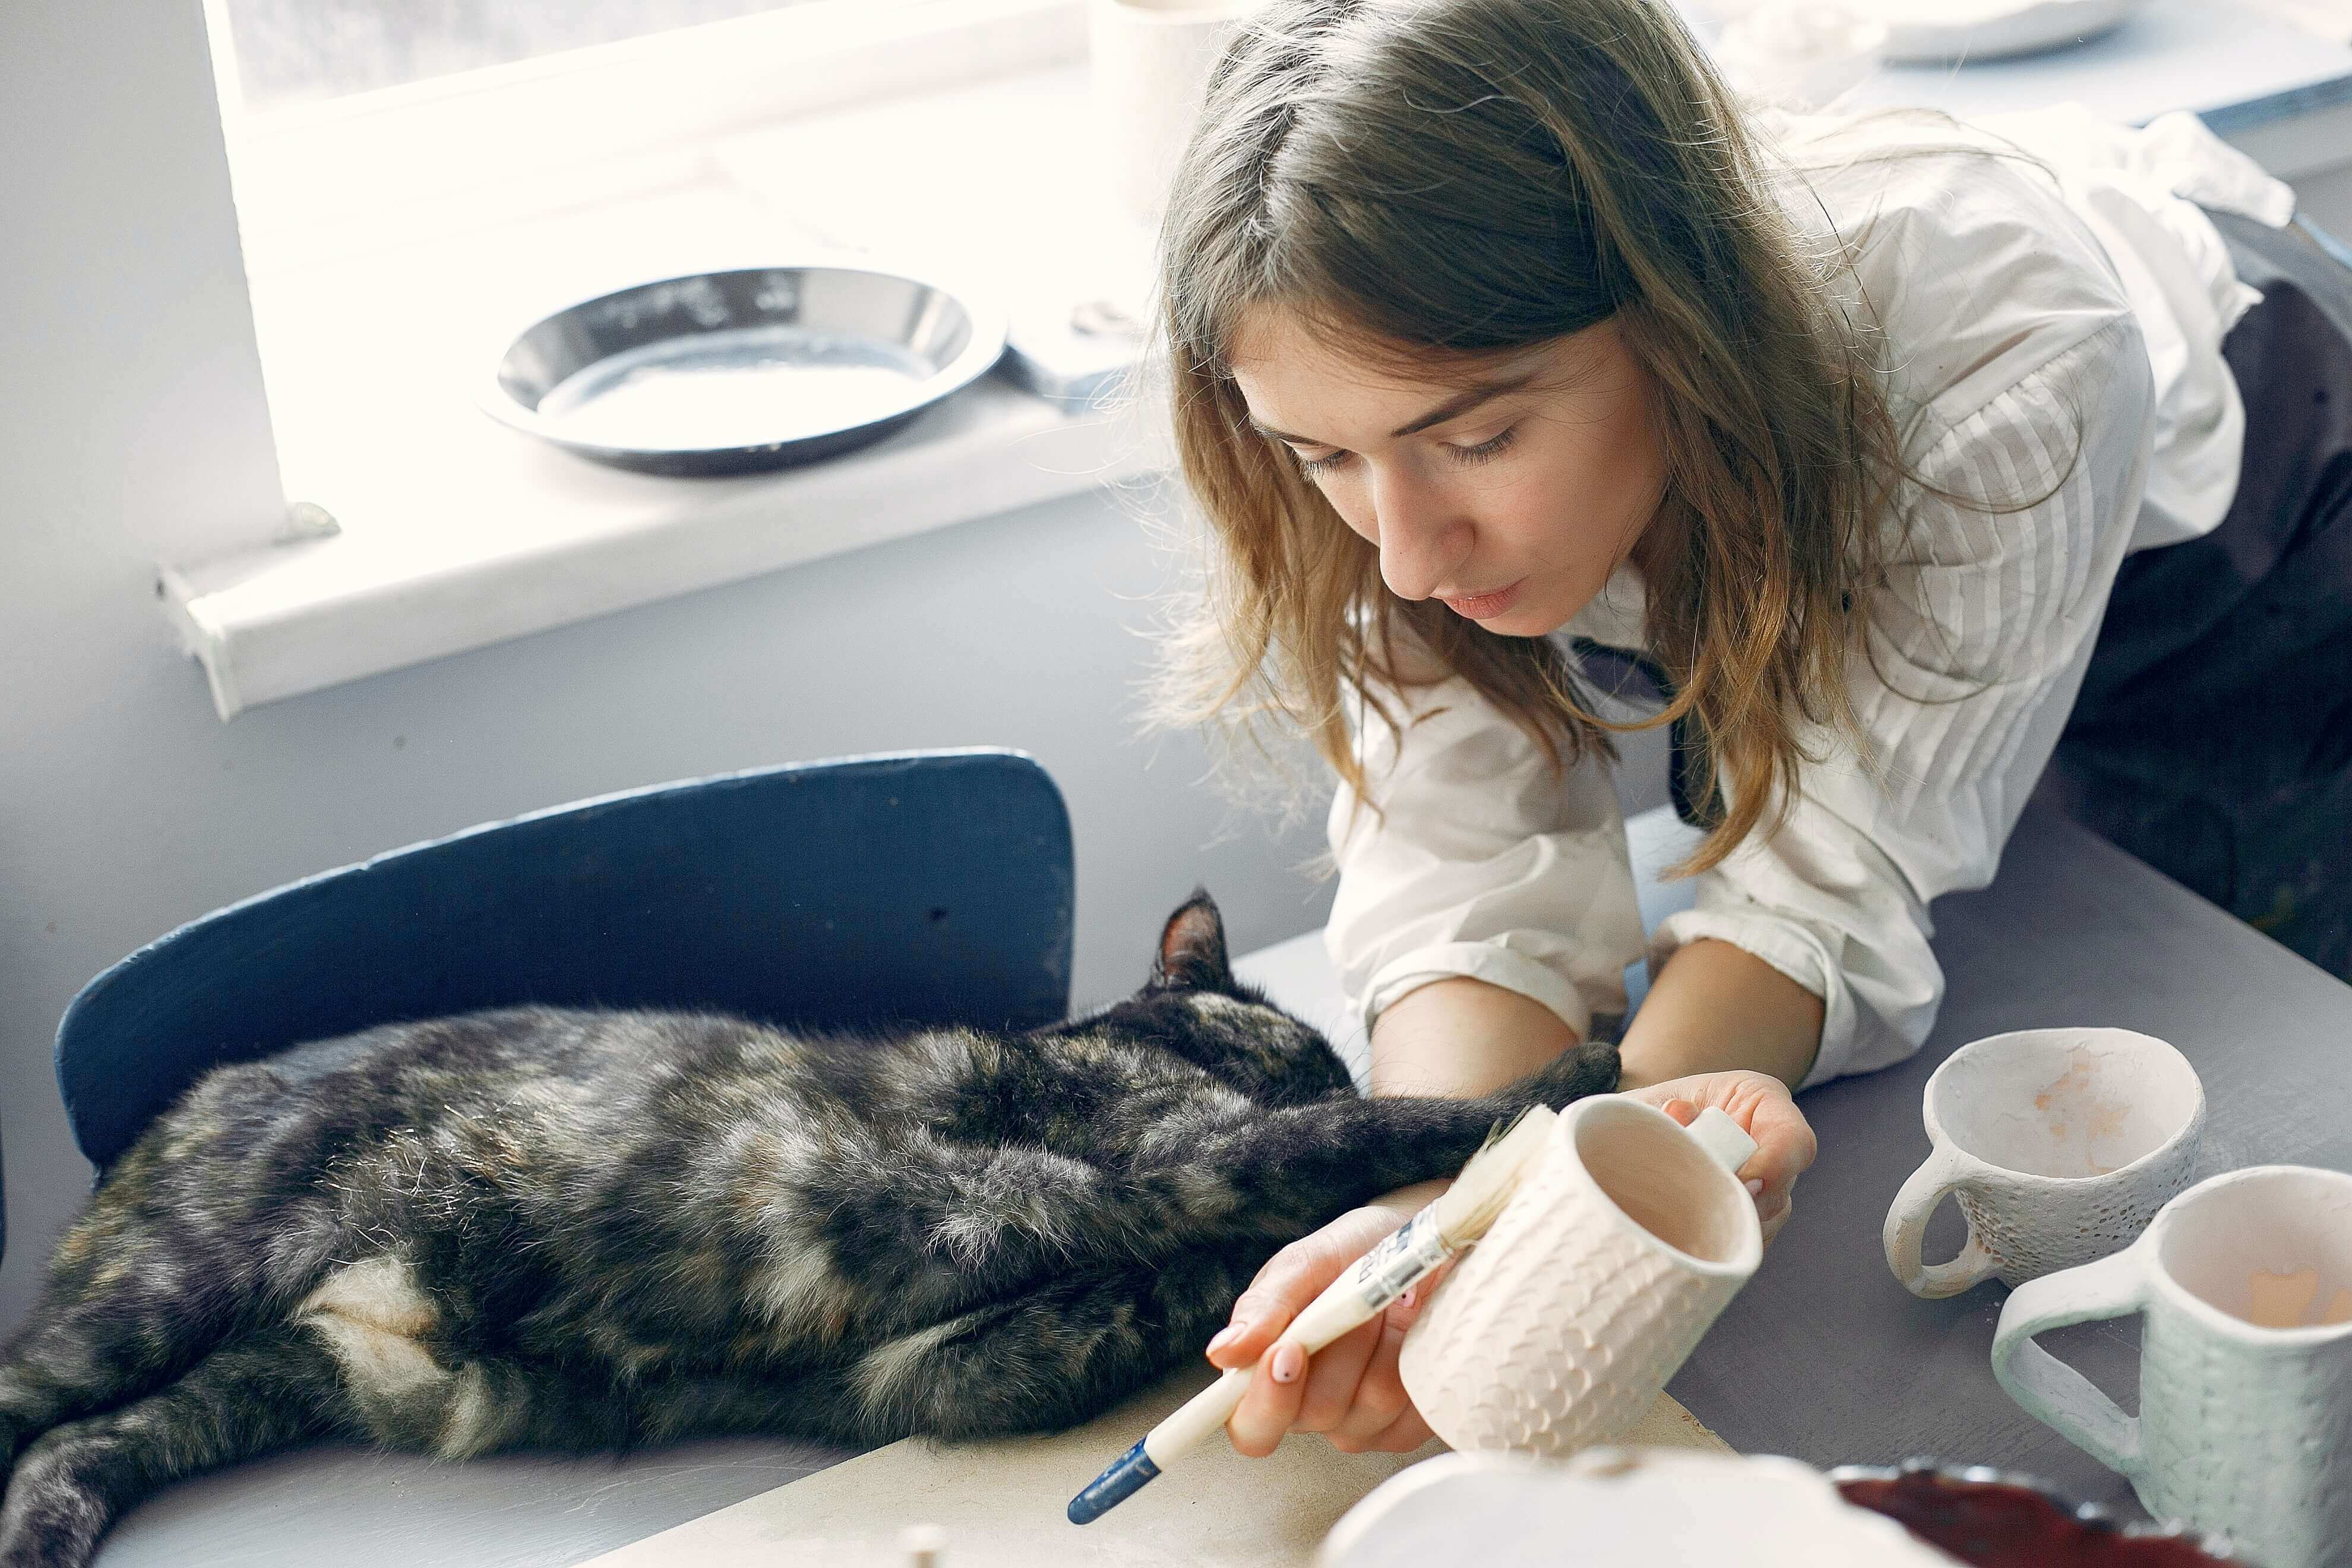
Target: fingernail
1225, 1336
1412, 1294
1755, 1189
1287, 1362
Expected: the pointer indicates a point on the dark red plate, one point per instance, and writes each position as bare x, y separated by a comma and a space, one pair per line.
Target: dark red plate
1993, 1520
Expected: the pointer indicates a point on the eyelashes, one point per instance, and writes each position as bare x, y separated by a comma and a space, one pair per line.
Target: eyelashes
1486, 451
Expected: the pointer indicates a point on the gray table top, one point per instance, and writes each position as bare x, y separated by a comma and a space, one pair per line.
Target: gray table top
1824, 1356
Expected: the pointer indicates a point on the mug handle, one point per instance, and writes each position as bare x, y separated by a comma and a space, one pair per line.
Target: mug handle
1725, 1142
1907, 1227
2054, 1392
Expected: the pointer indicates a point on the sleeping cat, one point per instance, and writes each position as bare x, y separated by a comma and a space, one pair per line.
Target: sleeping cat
570, 1229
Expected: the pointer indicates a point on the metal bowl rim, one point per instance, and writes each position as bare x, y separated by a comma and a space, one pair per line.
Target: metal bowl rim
989, 324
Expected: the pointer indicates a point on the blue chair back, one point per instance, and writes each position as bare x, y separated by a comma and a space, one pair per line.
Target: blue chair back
922, 888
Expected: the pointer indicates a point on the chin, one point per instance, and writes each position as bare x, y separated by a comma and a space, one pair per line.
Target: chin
1523, 622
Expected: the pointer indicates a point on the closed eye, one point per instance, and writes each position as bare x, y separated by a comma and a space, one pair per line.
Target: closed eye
1483, 451
1315, 467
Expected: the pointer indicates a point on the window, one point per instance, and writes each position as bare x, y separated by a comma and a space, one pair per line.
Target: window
300, 52
354, 124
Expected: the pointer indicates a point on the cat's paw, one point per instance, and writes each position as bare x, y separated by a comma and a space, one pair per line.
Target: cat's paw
50, 1519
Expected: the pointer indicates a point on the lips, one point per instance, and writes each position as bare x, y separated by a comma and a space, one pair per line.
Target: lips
1485, 606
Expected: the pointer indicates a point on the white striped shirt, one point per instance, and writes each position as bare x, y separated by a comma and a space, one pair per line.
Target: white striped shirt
2043, 338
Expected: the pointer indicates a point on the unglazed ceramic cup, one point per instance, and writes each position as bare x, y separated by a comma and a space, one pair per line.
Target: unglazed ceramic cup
2244, 1287
1617, 1253
2060, 1144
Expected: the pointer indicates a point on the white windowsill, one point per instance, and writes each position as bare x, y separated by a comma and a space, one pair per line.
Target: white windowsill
455, 532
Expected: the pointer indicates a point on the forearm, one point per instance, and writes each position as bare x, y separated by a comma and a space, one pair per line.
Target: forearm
1463, 1037
1457, 1039
1715, 1006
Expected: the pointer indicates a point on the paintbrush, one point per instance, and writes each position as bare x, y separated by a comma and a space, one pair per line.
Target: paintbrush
1460, 1215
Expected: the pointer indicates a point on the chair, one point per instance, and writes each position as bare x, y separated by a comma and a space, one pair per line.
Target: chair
914, 888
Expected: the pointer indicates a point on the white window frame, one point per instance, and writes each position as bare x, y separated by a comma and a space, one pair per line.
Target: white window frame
570, 126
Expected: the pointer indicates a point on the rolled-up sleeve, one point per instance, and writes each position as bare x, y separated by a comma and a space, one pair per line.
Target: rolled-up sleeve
1482, 860
1980, 637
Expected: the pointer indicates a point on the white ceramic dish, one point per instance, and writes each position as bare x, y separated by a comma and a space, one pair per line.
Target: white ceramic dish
1616, 1507
733, 372
1947, 32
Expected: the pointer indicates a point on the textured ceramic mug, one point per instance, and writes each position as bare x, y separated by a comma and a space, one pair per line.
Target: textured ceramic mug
1618, 1251
2060, 1144
2244, 1285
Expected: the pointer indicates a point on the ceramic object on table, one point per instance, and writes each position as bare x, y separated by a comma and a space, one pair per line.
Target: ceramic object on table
2243, 1284
1995, 1519
1149, 66
744, 369
2060, 1145
1616, 1507
1955, 32
1596, 1283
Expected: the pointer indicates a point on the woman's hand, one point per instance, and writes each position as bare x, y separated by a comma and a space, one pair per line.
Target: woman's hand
1350, 1390
1762, 1105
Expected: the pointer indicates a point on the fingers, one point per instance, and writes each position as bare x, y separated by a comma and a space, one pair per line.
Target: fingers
1271, 1403
1380, 1400
1291, 1279
1408, 1432
1285, 1379
1785, 1146
1332, 1376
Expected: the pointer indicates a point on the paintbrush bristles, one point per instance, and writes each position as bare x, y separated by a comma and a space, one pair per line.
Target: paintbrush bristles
1467, 1209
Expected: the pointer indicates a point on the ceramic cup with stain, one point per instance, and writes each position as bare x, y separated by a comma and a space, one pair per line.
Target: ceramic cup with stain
1594, 1285
2243, 1285
2060, 1146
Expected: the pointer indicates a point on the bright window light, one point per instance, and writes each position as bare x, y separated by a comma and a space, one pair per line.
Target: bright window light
302, 51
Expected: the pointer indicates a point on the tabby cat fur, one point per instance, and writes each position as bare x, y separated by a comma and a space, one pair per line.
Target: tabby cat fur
596, 1229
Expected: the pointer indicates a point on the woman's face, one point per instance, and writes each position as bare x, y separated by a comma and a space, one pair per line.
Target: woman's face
1511, 501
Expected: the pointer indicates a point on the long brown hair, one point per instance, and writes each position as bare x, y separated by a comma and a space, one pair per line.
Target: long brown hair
1449, 181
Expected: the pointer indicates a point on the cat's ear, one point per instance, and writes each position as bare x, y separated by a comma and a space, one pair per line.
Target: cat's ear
1192, 947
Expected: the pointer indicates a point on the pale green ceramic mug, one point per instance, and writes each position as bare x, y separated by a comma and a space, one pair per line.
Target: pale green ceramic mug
2244, 1285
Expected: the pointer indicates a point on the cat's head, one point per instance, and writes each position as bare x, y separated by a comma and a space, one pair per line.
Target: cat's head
1193, 1006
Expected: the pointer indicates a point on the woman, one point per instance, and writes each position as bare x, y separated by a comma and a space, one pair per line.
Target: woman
1499, 336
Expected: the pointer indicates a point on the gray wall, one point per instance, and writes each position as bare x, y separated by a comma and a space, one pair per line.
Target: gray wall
131, 405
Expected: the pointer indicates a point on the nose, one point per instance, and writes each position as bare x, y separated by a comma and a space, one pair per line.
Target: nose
1422, 539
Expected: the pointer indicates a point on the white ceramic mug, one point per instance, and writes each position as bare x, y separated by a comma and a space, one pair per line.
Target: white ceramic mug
1151, 61
2244, 1285
1595, 1284
2060, 1144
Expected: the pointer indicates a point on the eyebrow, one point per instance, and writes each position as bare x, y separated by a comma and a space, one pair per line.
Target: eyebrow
1452, 408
